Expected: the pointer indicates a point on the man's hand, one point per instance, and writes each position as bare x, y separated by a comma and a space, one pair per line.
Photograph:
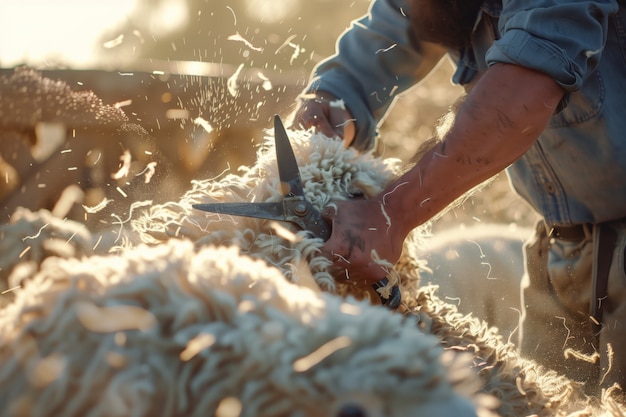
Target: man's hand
363, 244
326, 113
500, 119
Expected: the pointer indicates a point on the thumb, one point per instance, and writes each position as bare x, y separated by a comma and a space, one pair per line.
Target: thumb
342, 123
329, 213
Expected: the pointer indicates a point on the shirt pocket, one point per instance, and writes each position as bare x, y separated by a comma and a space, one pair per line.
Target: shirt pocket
583, 104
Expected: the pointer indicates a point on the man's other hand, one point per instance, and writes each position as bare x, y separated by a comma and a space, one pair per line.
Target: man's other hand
327, 114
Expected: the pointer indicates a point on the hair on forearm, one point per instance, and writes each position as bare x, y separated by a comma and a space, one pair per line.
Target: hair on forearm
444, 124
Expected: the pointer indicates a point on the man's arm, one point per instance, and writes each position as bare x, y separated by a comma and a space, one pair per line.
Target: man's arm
374, 62
501, 118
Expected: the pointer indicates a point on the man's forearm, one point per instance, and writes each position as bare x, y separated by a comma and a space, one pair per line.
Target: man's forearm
500, 119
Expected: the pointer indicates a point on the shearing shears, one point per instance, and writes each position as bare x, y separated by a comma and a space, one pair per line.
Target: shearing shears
294, 207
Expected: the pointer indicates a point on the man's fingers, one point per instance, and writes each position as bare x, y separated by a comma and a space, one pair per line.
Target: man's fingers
349, 133
319, 121
321, 112
342, 124
328, 213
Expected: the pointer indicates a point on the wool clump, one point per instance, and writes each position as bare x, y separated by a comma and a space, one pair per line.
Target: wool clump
186, 313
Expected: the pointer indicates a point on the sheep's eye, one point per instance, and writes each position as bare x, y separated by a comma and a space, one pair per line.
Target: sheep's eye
351, 410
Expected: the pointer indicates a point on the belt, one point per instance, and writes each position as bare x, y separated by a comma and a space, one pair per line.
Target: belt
604, 244
575, 233
604, 241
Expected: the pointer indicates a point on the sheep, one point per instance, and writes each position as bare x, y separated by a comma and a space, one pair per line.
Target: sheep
173, 250
492, 254
329, 173
170, 331
166, 240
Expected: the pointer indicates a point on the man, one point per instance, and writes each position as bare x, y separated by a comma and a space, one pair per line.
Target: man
546, 83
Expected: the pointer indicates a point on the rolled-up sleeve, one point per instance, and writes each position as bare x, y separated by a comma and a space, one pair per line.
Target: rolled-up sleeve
563, 39
374, 62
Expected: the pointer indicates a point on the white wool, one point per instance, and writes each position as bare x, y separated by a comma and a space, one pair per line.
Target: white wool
188, 328
329, 172
29, 238
245, 325
494, 255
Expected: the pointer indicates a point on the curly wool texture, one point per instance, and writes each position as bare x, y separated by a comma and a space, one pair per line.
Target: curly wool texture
329, 172
132, 282
30, 237
170, 332
520, 386
26, 97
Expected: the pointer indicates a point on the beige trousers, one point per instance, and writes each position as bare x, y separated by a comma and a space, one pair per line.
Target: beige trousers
556, 328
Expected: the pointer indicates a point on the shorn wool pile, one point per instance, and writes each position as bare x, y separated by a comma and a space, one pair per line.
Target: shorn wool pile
329, 173
196, 314
166, 331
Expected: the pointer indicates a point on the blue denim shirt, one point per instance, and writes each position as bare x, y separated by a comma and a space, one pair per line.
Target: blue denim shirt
576, 171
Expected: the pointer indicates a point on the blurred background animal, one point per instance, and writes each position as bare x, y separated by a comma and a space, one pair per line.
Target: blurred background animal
479, 269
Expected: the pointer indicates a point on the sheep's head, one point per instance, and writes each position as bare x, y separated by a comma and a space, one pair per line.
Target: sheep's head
329, 172
169, 331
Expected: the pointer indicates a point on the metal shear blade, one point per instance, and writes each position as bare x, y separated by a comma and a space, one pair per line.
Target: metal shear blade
288, 170
294, 208
270, 211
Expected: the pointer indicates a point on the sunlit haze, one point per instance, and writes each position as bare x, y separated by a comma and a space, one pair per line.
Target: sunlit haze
67, 32
73, 33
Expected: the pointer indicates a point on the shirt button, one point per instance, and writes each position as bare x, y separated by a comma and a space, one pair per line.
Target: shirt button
550, 188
